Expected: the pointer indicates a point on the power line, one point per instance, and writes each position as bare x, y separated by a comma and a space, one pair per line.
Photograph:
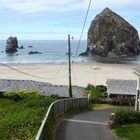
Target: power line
79, 42
60, 67
19, 71
31, 74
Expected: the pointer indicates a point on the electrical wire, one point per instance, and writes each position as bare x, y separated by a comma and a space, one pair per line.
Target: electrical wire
60, 67
19, 71
54, 77
79, 42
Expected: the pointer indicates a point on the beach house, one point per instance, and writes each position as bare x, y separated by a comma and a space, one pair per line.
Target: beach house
119, 88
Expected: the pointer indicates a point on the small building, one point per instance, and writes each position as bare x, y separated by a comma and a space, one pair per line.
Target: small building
120, 88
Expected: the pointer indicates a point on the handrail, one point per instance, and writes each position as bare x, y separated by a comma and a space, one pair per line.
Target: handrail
59, 107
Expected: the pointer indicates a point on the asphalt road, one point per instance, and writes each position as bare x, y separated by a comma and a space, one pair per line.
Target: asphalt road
86, 126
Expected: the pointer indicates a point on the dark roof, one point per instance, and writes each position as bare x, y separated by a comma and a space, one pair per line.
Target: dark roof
137, 70
46, 89
123, 87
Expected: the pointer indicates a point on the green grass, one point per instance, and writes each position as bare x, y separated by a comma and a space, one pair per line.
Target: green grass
98, 106
128, 132
102, 106
20, 120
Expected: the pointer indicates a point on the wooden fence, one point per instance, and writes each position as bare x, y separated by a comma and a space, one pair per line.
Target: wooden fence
60, 107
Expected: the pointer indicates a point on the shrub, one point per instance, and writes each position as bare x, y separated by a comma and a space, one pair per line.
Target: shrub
20, 94
90, 87
86, 92
115, 101
95, 92
102, 88
125, 117
23, 94
11, 95
123, 101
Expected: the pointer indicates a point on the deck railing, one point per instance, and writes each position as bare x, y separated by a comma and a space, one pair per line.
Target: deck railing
60, 107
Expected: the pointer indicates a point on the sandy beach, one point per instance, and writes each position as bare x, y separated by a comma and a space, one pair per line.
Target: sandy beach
82, 73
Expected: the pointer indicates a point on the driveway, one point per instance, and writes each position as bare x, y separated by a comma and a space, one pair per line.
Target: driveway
86, 126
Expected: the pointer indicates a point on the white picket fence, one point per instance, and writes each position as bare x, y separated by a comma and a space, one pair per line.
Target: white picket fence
60, 107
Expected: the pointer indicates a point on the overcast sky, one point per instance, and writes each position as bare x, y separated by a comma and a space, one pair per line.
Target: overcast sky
54, 19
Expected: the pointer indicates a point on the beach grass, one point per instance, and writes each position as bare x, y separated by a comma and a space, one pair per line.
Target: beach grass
22, 119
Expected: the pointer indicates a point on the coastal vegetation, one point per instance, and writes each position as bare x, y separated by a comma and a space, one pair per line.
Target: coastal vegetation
95, 92
98, 94
21, 114
123, 117
128, 132
126, 124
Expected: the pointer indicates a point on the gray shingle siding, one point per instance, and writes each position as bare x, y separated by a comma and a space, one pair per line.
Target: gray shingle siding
121, 87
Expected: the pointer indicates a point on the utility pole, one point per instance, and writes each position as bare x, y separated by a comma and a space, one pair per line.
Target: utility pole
69, 54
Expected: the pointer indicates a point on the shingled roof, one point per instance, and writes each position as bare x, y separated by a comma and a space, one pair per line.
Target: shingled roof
46, 89
121, 87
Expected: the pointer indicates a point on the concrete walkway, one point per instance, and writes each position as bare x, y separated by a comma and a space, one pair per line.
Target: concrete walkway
86, 126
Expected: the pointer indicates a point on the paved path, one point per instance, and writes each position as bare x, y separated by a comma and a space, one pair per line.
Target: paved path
86, 126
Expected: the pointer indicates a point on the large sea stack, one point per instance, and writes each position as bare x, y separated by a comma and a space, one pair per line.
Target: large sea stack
11, 45
109, 34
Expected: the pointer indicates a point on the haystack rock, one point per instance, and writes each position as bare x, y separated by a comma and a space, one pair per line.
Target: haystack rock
109, 34
11, 45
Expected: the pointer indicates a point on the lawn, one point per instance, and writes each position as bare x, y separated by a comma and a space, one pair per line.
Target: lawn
20, 120
128, 132
103, 106
98, 106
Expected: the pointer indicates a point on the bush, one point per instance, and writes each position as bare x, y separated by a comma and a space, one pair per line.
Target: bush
20, 94
123, 101
90, 87
102, 88
95, 92
122, 117
115, 101
11, 95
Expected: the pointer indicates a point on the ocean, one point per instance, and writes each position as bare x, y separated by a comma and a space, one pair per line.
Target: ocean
54, 51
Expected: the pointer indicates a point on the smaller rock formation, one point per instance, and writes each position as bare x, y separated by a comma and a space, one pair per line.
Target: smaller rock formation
30, 46
34, 52
11, 45
21, 47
